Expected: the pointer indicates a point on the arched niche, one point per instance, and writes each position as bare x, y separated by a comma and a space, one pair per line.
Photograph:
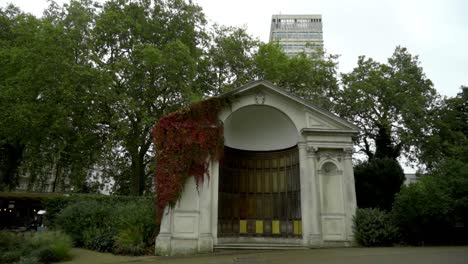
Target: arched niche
259, 128
330, 176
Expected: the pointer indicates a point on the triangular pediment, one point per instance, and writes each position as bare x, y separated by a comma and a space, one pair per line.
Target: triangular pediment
316, 118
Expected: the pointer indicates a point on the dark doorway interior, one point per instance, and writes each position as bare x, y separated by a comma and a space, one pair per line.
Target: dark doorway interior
259, 194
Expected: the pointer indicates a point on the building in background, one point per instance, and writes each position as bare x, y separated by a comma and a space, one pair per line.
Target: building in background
297, 33
411, 178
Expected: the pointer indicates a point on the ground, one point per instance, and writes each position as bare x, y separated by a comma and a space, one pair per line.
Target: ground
395, 255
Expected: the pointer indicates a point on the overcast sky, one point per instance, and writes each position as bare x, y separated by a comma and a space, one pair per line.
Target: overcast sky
436, 30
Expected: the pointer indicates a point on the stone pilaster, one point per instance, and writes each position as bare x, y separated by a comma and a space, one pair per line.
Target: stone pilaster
315, 236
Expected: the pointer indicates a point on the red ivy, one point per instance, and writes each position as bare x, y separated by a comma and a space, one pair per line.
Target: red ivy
185, 141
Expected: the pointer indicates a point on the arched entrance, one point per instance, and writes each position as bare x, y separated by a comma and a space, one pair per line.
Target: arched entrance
259, 194
259, 188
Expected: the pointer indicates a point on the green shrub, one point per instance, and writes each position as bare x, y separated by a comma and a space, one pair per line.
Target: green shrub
435, 209
377, 182
10, 256
78, 217
10, 247
51, 246
55, 204
99, 238
138, 216
44, 255
9, 240
424, 212
130, 241
44, 247
123, 225
373, 227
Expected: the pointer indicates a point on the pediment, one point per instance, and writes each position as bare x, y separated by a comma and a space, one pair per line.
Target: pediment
316, 118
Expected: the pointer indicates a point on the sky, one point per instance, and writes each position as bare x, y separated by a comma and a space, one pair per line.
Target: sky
435, 30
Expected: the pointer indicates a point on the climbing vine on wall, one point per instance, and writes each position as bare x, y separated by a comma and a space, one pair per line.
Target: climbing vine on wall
186, 141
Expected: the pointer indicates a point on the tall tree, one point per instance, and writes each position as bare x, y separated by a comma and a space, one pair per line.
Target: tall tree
229, 59
15, 108
311, 77
448, 133
389, 103
149, 51
46, 94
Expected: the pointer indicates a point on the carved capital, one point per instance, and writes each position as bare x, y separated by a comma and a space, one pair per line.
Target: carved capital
312, 151
347, 153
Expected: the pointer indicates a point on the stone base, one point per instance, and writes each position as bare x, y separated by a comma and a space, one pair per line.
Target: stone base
169, 246
205, 244
181, 247
315, 241
331, 244
163, 245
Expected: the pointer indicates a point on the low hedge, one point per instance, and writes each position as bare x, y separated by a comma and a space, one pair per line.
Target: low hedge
54, 204
118, 224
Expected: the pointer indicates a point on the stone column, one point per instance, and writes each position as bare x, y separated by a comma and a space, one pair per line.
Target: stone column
316, 233
350, 192
304, 171
214, 181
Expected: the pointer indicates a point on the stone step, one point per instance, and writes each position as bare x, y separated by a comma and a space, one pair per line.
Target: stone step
258, 246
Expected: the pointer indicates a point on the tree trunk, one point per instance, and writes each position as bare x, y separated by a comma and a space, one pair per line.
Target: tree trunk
10, 160
138, 175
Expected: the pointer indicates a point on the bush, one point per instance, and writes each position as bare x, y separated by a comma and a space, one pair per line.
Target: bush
82, 217
56, 203
10, 256
45, 247
9, 241
99, 238
139, 217
377, 182
51, 246
10, 247
373, 227
123, 226
435, 209
130, 241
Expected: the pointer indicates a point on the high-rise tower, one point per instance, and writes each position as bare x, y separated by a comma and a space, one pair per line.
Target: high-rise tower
297, 33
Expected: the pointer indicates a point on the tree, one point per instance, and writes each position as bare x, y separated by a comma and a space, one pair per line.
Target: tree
14, 106
434, 209
46, 94
229, 60
448, 133
311, 77
389, 103
377, 181
149, 51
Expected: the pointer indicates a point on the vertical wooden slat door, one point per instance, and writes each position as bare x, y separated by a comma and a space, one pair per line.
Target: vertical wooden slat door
259, 194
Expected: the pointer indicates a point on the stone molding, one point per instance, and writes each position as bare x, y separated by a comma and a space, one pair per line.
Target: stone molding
337, 154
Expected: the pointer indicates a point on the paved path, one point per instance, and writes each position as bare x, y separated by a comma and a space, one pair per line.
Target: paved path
405, 255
